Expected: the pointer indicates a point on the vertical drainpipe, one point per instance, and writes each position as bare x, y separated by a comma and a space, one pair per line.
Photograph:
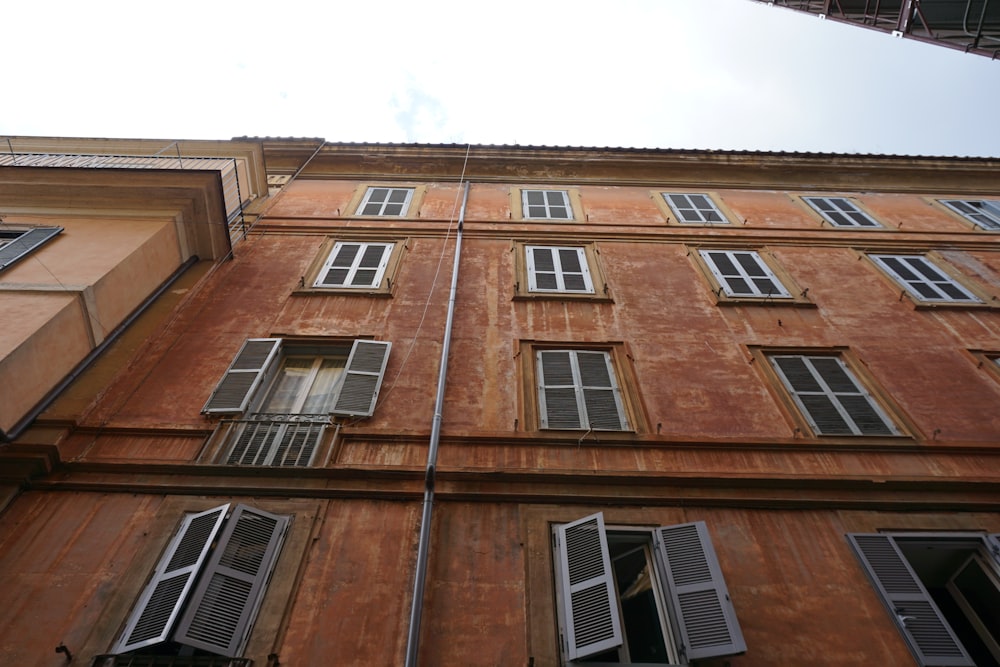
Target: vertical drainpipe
423, 546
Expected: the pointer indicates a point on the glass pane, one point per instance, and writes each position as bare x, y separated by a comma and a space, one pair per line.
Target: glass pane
288, 385
319, 398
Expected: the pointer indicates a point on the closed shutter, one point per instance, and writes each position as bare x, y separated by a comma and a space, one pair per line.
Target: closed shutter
25, 243
237, 386
552, 269
223, 607
743, 273
160, 604
600, 392
589, 618
557, 401
362, 378
916, 615
705, 615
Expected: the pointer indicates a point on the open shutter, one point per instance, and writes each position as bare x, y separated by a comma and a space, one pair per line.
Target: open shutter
362, 378
705, 616
926, 631
223, 607
160, 603
25, 243
589, 609
245, 374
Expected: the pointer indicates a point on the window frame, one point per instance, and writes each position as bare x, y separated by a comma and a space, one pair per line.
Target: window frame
309, 283
673, 215
680, 593
623, 375
361, 195
571, 199
825, 216
899, 588
978, 299
240, 393
589, 254
992, 212
893, 417
22, 241
792, 294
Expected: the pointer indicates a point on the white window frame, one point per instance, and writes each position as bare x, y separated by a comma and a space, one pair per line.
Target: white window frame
925, 274
695, 611
983, 213
355, 266
386, 202
691, 213
546, 205
845, 212
559, 271
834, 396
581, 391
744, 275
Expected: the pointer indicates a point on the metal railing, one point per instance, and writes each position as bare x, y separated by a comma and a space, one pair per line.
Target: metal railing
269, 439
168, 661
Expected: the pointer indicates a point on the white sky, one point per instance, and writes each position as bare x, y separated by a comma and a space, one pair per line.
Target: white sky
703, 74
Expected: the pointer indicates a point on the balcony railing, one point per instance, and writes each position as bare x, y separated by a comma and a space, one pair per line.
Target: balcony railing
169, 661
268, 439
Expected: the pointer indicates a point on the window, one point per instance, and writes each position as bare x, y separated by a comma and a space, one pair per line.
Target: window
743, 273
16, 244
841, 212
695, 209
546, 204
355, 265
386, 201
641, 596
923, 280
942, 591
829, 396
205, 591
286, 392
577, 389
980, 212
558, 269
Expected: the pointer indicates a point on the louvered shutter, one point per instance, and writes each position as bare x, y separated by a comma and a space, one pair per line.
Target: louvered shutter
601, 397
25, 243
926, 631
705, 615
362, 378
589, 608
557, 401
155, 613
223, 606
244, 376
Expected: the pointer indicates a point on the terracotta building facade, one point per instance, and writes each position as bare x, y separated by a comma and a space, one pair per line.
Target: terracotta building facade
499, 405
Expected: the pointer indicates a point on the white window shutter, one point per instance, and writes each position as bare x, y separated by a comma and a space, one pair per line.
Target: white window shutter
705, 614
25, 243
557, 401
916, 615
244, 376
589, 617
223, 606
154, 615
362, 378
601, 396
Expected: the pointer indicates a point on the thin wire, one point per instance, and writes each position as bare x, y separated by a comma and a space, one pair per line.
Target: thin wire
444, 246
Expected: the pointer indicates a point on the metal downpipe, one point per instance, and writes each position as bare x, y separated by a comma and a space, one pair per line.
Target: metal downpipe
423, 546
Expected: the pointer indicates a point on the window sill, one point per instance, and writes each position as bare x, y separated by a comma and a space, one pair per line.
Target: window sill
764, 302
341, 291
562, 296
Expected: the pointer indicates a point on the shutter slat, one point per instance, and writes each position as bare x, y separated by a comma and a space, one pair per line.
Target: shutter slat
916, 615
223, 606
588, 606
25, 243
362, 378
156, 611
705, 614
236, 387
